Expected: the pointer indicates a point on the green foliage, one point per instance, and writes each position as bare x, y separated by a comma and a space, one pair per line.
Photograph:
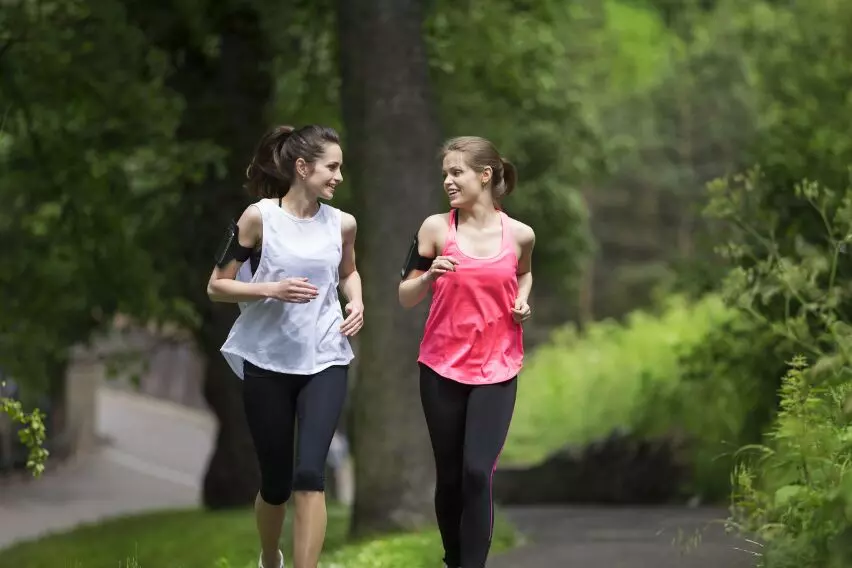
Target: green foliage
697, 371
88, 166
798, 59
799, 53
725, 398
581, 387
787, 224
203, 539
795, 497
92, 169
32, 432
795, 494
794, 282
523, 85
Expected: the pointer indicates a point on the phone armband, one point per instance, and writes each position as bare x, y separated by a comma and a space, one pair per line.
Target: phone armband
413, 260
230, 247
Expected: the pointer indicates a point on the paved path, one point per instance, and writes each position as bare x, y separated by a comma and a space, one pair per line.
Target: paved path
157, 453
153, 458
580, 537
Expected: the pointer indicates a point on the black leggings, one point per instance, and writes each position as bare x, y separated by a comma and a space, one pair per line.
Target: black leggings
468, 426
273, 402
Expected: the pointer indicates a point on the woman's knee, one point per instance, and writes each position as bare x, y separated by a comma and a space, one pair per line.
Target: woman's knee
275, 492
476, 478
309, 479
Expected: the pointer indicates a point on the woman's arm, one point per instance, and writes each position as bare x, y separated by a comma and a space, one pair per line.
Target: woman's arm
223, 288
416, 284
526, 242
350, 280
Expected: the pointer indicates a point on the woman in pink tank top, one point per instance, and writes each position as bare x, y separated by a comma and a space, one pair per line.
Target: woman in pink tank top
476, 261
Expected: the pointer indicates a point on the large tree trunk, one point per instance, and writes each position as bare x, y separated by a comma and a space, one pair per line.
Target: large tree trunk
236, 94
226, 101
392, 140
232, 478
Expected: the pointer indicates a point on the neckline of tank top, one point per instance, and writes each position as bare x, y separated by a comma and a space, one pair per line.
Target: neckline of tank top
280, 207
502, 239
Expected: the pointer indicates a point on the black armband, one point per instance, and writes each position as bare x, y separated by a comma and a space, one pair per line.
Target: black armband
413, 261
230, 247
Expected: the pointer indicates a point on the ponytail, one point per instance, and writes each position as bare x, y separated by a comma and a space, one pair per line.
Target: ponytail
271, 170
265, 176
510, 177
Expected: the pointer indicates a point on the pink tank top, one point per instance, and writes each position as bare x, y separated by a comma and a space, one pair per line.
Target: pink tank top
470, 336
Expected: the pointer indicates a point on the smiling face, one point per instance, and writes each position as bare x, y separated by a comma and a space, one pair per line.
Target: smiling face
464, 185
322, 176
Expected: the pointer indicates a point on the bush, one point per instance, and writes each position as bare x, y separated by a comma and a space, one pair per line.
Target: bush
796, 496
580, 387
31, 432
699, 372
724, 398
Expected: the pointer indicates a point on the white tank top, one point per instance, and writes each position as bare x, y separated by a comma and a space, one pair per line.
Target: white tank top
299, 339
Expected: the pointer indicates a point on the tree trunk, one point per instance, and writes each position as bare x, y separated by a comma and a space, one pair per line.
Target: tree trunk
392, 140
232, 478
226, 99
229, 108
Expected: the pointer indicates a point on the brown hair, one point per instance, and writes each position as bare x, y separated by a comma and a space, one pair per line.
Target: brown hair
479, 153
271, 170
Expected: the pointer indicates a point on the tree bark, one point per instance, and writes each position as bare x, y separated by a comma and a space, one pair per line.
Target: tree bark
232, 477
226, 99
392, 139
236, 93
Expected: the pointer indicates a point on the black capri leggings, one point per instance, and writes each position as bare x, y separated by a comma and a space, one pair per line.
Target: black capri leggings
273, 401
468, 426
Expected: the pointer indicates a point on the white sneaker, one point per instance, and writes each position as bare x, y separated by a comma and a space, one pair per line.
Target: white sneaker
280, 560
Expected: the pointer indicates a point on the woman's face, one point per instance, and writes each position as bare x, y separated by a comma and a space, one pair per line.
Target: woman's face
323, 175
463, 184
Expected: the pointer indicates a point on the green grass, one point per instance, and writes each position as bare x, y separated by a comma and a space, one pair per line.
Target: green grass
418, 550
202, 539
581, 387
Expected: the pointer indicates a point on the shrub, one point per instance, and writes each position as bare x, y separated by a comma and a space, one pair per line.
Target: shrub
796, 494
32, 432
724, 398
581, 387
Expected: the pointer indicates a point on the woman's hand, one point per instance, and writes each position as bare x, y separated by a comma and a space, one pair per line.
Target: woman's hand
521, 311
295, 290
354, 321
440, 266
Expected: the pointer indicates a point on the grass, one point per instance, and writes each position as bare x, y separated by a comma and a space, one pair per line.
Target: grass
582, 387
202, 539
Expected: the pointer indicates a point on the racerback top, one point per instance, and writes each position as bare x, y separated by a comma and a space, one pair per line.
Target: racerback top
299, 339
470, 336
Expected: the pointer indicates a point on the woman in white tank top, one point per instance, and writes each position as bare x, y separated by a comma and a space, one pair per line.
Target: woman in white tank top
290, 343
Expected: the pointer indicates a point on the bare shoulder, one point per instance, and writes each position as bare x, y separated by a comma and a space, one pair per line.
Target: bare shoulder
434, 224
251, 216
348, 224
251, 226
524, 234
433, 234
251, 221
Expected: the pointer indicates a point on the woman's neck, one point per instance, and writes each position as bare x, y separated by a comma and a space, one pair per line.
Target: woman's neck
300, 203
480, 215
